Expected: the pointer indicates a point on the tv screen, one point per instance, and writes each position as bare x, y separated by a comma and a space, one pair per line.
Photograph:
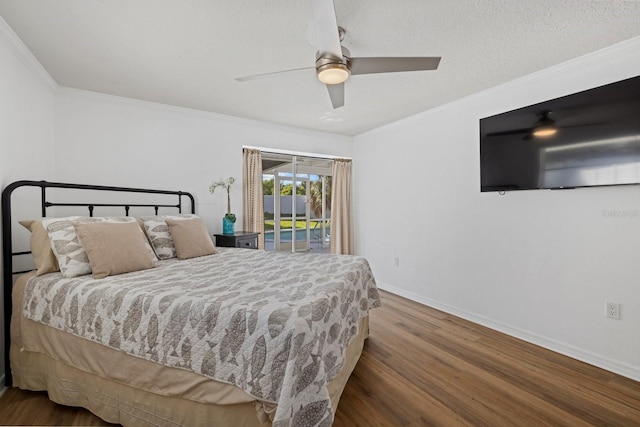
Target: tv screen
590, 138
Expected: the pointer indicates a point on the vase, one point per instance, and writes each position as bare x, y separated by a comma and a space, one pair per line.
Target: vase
227, 226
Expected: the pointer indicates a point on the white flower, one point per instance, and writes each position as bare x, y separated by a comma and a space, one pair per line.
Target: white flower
227, 186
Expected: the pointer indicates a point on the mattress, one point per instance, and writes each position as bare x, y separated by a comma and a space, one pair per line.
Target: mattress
123, 386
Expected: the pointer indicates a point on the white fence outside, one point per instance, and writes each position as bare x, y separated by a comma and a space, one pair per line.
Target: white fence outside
285, 205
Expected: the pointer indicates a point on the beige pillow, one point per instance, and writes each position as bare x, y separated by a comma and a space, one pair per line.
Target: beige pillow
113, 248
68, 249
43, 256
190, 238
157, 232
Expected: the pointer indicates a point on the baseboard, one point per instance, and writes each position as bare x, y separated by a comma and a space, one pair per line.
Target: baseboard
2, 387
533, 338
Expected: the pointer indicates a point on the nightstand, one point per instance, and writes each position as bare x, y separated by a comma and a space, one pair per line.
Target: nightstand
239, 239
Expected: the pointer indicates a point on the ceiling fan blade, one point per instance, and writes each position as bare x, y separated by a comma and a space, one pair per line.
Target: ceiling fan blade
324, 18
393, 64
273, 74
511, 132
336, 93
583, 125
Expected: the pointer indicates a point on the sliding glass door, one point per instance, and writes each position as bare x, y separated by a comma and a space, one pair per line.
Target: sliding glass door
297, 199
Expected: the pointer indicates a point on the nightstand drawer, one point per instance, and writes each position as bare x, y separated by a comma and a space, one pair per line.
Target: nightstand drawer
247, 242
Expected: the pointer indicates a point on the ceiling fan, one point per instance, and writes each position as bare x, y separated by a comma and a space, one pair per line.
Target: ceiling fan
334, 64
543, 127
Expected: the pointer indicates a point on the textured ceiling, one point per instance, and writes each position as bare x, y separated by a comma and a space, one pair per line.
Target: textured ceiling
187, 53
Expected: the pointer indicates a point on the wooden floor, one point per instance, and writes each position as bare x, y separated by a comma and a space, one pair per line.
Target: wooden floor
424, 367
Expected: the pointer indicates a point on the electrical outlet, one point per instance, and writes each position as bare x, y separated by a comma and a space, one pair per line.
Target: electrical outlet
613, 310
396, 261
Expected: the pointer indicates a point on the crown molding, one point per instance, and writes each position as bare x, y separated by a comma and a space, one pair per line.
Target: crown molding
24, 55
209, 115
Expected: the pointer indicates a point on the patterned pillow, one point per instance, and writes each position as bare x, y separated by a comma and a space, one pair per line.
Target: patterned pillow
67, 248
158, 233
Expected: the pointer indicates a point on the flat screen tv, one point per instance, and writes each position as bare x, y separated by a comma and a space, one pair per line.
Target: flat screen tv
590, 138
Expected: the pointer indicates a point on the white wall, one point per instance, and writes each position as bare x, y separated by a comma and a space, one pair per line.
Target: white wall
536, 264
109, 140
26, 127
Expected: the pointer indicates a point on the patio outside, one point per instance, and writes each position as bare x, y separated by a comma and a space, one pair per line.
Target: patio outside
316, 244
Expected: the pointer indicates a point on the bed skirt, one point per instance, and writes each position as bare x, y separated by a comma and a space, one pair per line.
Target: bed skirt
117, 402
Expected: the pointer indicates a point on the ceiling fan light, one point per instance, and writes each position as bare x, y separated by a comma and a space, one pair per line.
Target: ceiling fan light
545, 131
333, 74
545, 126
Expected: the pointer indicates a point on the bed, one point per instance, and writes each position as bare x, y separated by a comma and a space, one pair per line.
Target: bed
235, 337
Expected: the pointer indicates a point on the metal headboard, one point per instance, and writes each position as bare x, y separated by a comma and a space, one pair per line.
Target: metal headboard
7, 242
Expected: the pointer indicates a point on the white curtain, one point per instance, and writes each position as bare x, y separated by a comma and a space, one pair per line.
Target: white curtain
342, 241
253, 209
